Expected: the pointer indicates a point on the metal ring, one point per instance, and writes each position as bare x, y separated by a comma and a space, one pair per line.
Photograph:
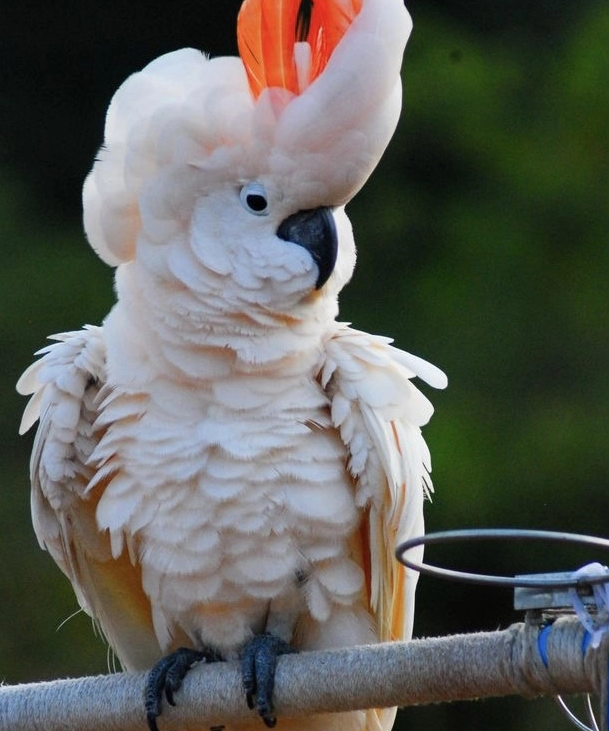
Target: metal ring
485, 534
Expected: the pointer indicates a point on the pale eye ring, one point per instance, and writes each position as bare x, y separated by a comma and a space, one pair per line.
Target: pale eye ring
254, 199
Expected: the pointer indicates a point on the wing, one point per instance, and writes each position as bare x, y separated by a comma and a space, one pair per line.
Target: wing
379, 412
65, 385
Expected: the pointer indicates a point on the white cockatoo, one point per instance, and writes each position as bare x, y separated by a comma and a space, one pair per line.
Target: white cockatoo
222, 469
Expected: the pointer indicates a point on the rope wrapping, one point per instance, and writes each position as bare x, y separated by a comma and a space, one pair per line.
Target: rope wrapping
459, 667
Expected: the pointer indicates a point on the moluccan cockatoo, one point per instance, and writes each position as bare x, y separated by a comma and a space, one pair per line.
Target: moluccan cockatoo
223, 470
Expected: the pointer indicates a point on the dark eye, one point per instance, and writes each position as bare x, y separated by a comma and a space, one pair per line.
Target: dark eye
253, 198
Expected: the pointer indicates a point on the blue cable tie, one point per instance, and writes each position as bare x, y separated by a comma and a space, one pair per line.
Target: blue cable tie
542, 643
586, 639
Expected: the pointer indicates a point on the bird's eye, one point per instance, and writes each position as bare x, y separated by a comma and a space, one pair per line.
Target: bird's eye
253, 198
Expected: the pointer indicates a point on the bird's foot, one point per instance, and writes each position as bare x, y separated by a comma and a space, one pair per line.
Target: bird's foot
166, 678
258, 664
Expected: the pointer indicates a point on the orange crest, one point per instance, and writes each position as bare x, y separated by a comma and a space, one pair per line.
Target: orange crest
287, 43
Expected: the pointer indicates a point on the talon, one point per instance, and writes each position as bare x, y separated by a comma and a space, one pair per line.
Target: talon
166, 677
151, 718
258, 666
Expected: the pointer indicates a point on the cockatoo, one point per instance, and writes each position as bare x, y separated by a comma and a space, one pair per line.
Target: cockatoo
223, 470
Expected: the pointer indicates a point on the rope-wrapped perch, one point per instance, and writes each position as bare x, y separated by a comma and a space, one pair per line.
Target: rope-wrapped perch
458, 667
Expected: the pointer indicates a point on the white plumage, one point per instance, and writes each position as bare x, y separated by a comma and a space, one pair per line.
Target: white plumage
222, 458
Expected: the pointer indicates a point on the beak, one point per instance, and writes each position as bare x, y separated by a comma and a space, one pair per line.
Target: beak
314, 230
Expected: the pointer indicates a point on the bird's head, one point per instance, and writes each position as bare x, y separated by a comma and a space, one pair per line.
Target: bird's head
229, 176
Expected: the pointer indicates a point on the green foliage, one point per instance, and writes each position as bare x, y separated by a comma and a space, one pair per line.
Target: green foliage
494, 264
482, 246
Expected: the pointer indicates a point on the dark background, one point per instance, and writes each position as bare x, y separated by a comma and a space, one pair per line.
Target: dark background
482, 246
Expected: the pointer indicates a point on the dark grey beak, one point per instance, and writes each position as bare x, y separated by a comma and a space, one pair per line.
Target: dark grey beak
315, 230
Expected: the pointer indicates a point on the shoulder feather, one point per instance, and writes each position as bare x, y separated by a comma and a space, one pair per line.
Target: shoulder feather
379, 413
68, 387
63, 385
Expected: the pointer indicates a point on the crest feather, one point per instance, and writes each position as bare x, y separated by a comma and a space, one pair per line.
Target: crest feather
271, 35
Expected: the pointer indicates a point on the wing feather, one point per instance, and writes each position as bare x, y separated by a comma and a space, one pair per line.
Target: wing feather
65, 384
379, 413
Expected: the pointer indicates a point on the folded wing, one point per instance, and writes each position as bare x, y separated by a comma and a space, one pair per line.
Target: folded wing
65, 385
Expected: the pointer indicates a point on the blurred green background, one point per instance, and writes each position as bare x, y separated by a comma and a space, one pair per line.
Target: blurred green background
483, 247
